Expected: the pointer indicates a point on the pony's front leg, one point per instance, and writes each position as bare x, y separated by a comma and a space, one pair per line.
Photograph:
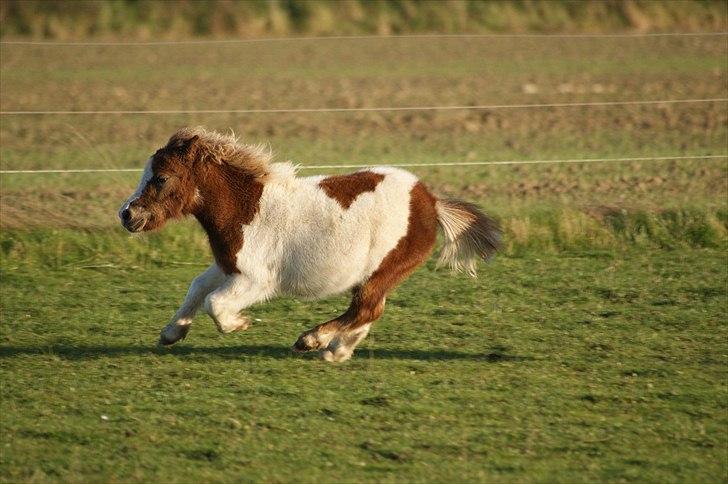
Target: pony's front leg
201, 286
226, 302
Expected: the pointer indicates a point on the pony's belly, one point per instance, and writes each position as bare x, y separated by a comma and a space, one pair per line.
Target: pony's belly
325, 276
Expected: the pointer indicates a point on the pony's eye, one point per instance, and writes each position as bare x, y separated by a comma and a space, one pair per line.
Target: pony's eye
159, 180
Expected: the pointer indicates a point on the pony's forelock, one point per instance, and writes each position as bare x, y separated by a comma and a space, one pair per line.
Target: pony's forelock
214, 147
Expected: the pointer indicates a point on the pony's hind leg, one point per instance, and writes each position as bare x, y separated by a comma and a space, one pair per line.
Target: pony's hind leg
337, 338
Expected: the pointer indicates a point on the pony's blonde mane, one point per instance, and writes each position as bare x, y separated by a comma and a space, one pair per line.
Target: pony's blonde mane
214, 147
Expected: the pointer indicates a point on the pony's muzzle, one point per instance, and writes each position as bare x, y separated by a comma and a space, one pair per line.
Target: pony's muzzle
132, 219
125, 216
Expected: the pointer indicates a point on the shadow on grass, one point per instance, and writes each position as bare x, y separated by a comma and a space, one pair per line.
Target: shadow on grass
68, 352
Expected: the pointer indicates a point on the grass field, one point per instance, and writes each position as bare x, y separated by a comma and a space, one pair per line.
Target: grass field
592, 349
569, 367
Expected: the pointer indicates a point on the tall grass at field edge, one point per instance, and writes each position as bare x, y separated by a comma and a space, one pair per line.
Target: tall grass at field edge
83, 19
548, 230
555, 230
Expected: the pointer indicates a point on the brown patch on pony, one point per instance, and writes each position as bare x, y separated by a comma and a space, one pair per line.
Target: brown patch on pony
230, 180
345, 188
410, 252
230, 199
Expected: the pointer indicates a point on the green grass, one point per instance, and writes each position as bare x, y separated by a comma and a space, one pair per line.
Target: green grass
581, 366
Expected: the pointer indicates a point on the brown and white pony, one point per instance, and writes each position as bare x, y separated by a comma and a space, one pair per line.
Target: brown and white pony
273, 233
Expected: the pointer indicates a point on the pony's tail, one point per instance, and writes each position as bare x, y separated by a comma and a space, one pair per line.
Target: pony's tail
469, 234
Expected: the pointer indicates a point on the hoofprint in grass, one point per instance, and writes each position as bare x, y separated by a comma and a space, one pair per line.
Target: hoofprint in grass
273, 233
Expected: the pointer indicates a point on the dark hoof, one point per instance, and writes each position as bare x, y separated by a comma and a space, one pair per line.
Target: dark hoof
165, 340
305, 342
300, 347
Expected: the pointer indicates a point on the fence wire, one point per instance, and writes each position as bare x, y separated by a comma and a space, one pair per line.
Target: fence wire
373, 109
625, 35
403, 165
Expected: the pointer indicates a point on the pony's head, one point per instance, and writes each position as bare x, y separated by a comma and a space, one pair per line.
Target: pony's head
167, 189
194, 165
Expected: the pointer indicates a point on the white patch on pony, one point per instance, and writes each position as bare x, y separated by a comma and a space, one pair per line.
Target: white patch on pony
146, 176
236, 293
304, 243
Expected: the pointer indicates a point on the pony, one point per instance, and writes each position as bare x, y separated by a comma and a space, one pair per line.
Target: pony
274, 233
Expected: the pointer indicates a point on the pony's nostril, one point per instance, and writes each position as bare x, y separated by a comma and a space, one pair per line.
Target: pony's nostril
125, 215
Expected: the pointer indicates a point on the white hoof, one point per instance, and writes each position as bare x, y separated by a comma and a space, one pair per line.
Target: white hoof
226, 323
335, 352
231, 324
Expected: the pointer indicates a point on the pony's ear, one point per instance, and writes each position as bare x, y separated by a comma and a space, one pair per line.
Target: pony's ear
191, 147
185, 146
192, 141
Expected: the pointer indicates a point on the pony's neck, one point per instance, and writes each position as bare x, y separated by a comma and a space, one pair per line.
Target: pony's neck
229, 199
